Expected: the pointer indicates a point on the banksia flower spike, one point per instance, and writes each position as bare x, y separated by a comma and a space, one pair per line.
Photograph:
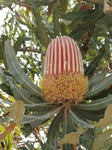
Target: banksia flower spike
63, 79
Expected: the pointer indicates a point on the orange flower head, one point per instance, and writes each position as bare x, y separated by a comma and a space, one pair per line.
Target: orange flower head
63, 79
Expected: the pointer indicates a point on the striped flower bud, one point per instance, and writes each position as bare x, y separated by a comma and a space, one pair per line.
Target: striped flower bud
64, 79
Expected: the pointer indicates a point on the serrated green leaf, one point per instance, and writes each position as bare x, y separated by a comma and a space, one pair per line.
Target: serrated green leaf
23, 94
54, 131
69, 124
37, 119
17, 72
97, 88
79, 121
97, 79
96, 104
40, 108
90, 115
18, 92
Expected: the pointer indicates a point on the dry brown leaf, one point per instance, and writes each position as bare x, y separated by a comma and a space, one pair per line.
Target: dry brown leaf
71, 138
18, 111
9, 130
101, 140
107, 118
107, 8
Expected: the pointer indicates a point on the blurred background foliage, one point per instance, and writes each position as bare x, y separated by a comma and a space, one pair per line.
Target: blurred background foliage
30, 25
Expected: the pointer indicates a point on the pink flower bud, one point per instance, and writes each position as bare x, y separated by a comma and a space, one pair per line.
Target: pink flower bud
64, 79
63, 56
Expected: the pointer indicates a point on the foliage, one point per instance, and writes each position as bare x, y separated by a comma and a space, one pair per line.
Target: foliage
28, 28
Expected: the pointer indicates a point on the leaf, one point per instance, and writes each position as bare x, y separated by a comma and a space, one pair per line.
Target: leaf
5, 88
107, 118
8, 131
8, 139
94, 64
68, 126
54, 130
2, 129
97, 88
101, 139
63, 5
17, 112
89, 23
17, 72
96, 79
70, 138
37, 119
23, 94
55, 19
96, 104
78, 16
27, 129
18, 92
107, 8
90, 115
67, 146
19, 41
79, 121
38, 3
41, 108
4, 4
87, 138
41, 28
64, 29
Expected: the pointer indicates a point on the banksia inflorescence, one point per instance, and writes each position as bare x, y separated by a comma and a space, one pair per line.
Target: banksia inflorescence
64, 79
